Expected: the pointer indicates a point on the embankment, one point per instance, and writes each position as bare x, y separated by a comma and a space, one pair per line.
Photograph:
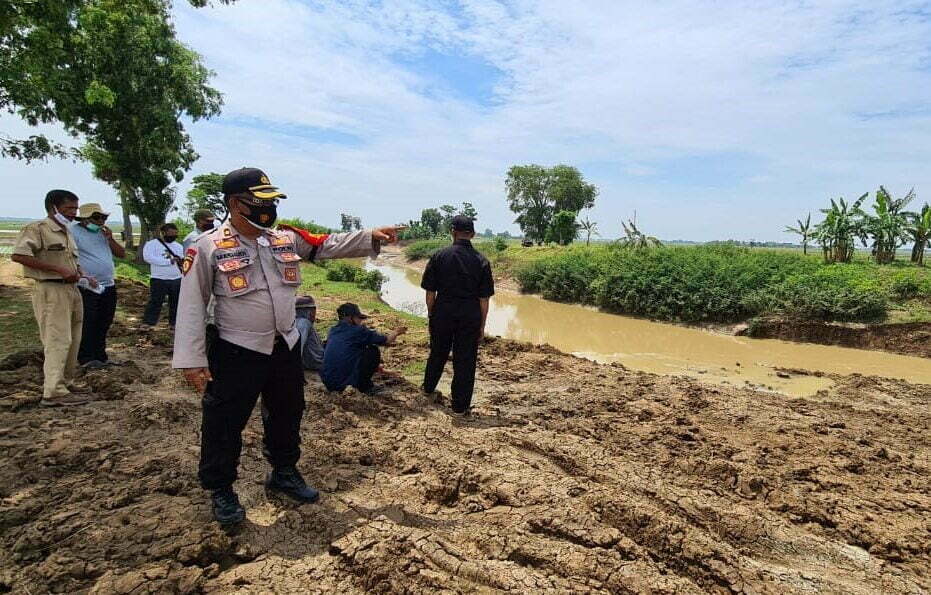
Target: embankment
905, 338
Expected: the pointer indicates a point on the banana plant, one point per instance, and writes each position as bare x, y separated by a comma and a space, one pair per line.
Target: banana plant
886, 229
636, 239
804, 230
842, 224
590, 228
919, 229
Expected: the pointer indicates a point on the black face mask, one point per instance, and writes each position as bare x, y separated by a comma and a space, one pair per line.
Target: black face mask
207, 226
170, 239
262, 217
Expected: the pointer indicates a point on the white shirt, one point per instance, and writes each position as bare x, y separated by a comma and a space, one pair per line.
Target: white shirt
156, 255
191, 238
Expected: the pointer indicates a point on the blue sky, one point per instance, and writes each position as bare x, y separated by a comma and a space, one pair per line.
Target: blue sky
708, 119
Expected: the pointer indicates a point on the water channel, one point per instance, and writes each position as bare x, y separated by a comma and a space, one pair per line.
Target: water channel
663, 348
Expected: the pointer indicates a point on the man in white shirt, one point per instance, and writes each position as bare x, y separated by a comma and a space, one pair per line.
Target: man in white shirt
204, 221
164, 256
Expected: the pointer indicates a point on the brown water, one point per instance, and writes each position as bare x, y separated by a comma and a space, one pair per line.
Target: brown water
664, 348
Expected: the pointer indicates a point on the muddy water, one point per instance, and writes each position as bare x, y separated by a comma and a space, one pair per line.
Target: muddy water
664, 348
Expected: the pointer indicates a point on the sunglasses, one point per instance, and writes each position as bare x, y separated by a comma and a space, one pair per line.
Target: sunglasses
98, 217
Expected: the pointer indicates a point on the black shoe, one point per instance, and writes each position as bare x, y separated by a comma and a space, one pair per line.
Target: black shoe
226, 507
288, 481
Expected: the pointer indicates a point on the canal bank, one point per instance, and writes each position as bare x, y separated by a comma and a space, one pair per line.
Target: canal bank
797, 369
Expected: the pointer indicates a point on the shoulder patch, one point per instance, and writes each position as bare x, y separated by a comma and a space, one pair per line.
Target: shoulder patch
237, 282
225, 243
188, 261
281, 240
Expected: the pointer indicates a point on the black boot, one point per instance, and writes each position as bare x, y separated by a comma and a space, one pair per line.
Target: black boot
288, 481
226, 507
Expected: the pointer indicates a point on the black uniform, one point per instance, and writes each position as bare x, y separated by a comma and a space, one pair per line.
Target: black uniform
460, 276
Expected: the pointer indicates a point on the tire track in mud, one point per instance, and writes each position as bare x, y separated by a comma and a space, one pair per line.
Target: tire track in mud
572, 477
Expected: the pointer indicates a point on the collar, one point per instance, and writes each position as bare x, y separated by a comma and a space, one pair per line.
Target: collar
53, 225
463, 242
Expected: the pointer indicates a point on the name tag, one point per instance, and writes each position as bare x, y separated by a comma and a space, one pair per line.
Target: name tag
56, 248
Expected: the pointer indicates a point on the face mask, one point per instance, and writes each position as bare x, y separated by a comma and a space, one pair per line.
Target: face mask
93, 227
206, 226
60, 218
170, 239
262, 217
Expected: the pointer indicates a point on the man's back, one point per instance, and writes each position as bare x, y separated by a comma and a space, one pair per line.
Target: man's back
344, 346
458, 272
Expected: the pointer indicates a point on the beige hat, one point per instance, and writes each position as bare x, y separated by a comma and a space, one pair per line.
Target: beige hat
89, 208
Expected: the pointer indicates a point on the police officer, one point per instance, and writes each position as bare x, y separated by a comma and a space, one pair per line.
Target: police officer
252, 273
458, 283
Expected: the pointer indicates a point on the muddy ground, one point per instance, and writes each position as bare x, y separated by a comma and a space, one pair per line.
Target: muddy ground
910, 338
572, 476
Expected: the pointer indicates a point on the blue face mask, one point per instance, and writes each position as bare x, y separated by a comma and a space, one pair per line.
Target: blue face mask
93, 227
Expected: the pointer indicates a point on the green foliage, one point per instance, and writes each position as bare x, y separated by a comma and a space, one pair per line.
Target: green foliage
590, 228
919, 231
432, 220
842, 223
304, 224
887, 226
635, 239
501, 244
536, 194
563, 230
348, 222
833, 292
804, 230
343, 271
424, 248
206, 193
185, 226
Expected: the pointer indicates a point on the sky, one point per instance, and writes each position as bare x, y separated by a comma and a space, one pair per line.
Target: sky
708, 120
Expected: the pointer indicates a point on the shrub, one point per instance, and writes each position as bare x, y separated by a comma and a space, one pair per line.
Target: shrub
834, 292
424, 248
342, 271
501, 244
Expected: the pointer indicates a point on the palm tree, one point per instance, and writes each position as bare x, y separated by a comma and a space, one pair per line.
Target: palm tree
636, 239
804, 230
842, 223
590, 228
919, 228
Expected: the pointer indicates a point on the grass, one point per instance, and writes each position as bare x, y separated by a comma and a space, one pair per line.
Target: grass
17, 321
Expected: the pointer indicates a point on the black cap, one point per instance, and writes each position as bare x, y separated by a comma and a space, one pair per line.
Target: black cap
250, 180
349, 309
305, 301
462, 223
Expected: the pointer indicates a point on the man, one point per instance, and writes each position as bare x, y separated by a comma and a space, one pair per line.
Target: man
164, 257
311, 345
352, 356
96, 249
47, 251
203, 222
252, 273
458, 284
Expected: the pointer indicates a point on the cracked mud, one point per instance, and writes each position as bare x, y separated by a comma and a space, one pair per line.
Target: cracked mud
572, 477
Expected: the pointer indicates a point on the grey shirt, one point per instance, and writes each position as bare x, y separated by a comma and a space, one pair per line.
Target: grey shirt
94, 254
253, 283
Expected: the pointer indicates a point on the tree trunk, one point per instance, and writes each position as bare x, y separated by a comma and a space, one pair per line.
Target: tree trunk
127, 222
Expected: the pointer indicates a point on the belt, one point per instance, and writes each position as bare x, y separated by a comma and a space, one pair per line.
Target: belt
55, 281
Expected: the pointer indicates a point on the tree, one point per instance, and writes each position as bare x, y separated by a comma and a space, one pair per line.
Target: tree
919, 229
469, 211
564, 229
590, 228
114, 72
43, 55
432, 220
887, 227
842, 223
345, 222
206, 193
449, 212
536, 194
636, 239
804, 230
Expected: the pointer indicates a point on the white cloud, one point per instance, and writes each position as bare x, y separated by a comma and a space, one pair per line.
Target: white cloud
792, 101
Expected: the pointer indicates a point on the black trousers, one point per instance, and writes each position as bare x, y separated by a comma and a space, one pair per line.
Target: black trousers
368, 365
454, 326
159, 289
99, 309
239, 376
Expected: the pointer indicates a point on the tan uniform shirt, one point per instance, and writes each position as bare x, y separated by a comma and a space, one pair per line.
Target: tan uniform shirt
253, 283
47, 241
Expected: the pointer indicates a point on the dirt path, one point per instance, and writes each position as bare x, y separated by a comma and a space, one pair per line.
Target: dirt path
572, 477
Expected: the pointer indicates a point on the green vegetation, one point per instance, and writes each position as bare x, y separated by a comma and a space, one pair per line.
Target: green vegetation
722, 283
344, 271
17, 321
547, 200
